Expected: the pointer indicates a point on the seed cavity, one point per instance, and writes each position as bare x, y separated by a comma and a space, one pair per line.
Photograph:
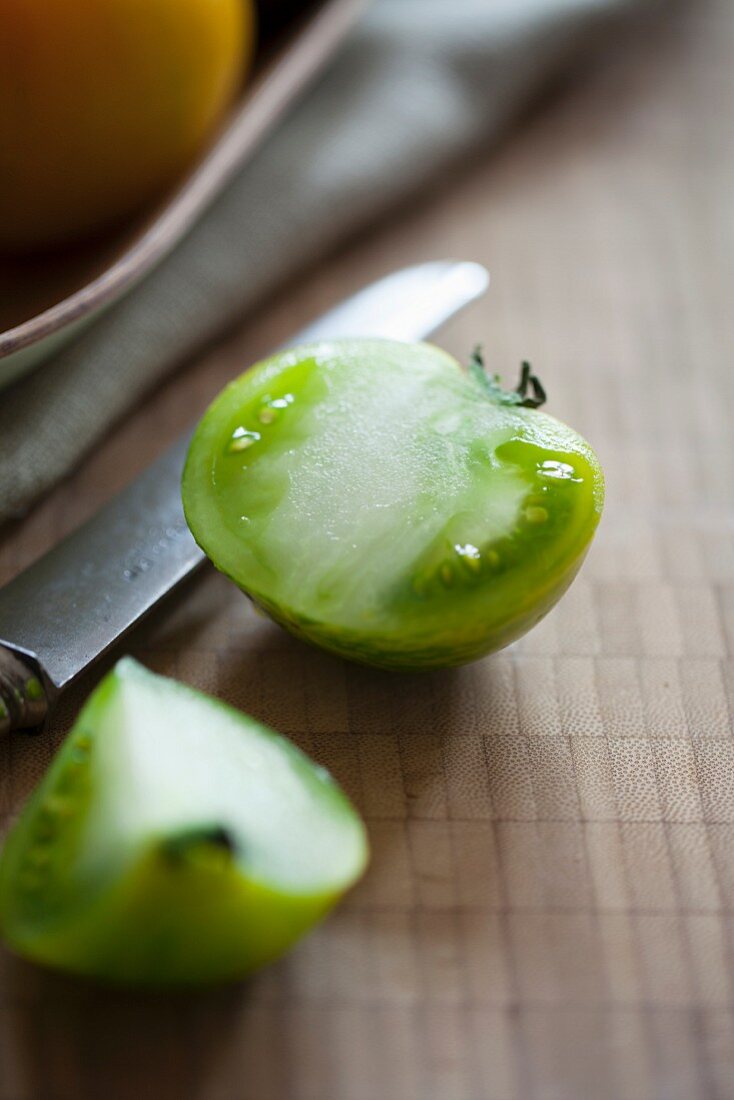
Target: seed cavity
562, 471
535, 514
241, 440
470, 556
543, 509
205, 845
272, 407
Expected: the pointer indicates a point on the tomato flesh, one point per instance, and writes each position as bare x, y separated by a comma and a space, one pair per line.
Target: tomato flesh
373, 500
174, 841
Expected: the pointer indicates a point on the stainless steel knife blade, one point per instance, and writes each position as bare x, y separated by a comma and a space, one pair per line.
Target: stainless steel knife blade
77, 601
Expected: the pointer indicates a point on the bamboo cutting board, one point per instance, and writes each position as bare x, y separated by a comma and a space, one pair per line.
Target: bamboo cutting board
549, 914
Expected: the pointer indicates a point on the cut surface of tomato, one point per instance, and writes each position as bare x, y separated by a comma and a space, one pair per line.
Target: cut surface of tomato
374, 498
173, 841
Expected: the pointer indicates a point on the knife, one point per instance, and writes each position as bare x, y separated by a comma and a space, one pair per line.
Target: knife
77, 601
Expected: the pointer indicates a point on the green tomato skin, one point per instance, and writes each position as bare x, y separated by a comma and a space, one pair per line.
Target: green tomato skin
454, 647
165, 926
439, 609
185, 913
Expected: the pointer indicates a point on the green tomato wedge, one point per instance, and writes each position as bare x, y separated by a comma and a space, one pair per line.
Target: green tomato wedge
382, 502
174, 841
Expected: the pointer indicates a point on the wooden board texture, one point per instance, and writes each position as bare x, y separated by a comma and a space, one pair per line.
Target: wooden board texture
549, 914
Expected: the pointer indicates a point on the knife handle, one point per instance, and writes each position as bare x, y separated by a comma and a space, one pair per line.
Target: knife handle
23, 702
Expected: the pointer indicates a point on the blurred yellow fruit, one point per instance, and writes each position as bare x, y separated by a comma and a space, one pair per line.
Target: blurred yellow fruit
103, 102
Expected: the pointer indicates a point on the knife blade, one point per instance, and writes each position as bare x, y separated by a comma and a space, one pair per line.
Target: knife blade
71, 606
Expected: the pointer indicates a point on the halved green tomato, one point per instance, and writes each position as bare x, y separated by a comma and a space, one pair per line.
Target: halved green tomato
173, 841
381, 502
